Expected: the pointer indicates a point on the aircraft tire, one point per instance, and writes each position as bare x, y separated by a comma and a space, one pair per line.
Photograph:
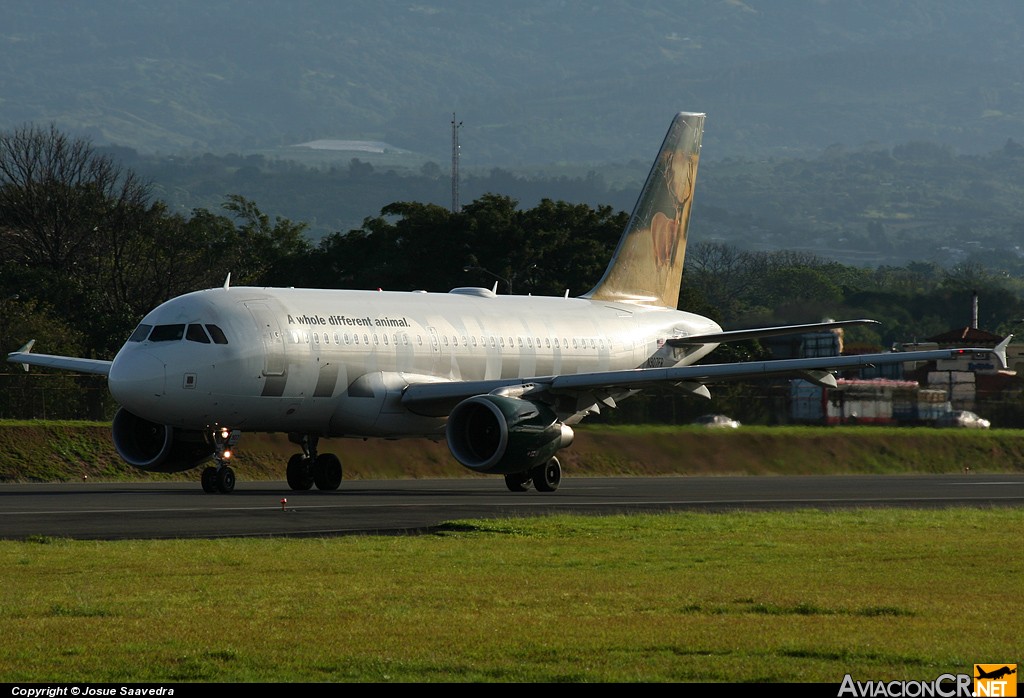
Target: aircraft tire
209, 479
518, 482
327, 472
226, 480
299, 475
547, 477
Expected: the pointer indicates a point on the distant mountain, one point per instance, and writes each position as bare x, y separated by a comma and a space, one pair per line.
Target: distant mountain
534, 82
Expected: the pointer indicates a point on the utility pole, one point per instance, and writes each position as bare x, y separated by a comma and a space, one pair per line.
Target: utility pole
455, 164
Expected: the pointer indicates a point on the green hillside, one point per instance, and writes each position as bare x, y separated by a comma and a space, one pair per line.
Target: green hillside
535, 82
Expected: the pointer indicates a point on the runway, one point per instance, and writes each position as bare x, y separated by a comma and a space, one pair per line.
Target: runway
183, 510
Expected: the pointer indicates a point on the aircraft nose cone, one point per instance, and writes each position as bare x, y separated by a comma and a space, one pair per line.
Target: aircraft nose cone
136, 379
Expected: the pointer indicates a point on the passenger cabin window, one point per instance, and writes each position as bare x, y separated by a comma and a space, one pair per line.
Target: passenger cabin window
140, 333
217, 334
167, 333
196, 333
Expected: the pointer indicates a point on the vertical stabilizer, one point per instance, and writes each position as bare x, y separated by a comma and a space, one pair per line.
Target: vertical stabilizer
648, 263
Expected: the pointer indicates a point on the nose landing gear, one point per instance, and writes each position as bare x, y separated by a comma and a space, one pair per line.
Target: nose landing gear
221, 478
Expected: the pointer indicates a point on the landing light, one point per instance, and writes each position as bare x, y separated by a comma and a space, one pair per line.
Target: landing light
226, 455
224, 433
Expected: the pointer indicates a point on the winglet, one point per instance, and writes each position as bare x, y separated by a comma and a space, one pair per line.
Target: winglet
1000, 351
227, 282
25, 349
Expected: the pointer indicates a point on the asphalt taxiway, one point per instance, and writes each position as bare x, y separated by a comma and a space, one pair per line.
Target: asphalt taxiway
183, 510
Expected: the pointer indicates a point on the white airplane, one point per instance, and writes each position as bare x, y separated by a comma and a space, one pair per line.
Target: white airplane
502, 378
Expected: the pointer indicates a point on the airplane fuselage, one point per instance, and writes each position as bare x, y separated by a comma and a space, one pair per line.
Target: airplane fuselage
334, 363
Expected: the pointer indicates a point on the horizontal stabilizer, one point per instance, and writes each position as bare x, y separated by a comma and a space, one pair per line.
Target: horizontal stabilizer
754, 333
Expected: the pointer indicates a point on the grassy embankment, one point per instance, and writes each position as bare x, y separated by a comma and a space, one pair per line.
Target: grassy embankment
799, 596
64, 451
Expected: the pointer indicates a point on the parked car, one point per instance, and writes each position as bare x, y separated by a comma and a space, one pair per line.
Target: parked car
963, 418
717, 421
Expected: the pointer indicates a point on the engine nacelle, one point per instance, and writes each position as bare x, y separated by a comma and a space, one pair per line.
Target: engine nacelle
158, 448
497, 434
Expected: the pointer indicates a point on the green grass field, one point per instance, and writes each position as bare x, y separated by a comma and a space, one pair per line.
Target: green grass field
803, 596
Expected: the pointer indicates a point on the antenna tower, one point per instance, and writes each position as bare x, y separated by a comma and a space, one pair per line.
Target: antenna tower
455, 164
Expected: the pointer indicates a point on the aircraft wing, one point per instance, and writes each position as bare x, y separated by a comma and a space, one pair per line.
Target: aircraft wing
439, 398
738, 335
26, 358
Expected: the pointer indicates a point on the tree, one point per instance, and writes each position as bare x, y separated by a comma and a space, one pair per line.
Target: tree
544, 250
82, 236
261, 251
68, 217
60, 202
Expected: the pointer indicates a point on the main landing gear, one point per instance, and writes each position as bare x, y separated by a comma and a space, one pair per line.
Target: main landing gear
221, 478
309, 468
545, 477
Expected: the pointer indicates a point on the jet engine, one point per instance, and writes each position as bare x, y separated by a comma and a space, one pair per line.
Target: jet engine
158, 448
498, 434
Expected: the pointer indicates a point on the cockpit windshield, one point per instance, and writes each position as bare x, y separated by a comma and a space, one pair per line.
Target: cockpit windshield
173, 333
196, 333
140, 333
167, 333
217, 334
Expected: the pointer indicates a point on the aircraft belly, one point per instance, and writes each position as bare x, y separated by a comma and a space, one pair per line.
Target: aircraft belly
285, 414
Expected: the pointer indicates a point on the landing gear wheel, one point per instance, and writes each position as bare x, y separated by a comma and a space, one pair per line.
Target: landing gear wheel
327, 472
299, 475
518, 482
209, 479
225, 480
547, 477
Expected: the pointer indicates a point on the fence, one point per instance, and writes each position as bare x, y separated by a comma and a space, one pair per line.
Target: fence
54, 396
